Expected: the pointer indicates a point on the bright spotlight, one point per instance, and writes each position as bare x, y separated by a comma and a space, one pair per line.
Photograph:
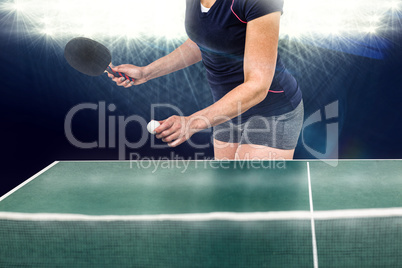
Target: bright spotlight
328, 18
18, 6
135, 19
394, 5
371, 30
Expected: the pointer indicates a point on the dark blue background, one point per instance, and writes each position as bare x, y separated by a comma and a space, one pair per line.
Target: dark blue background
38, 89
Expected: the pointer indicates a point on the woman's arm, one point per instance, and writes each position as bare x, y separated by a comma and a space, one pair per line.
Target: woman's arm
185, 55
259, 68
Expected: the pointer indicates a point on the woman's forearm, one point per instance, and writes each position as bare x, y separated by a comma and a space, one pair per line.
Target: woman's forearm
260, 58
234, 103
185, 55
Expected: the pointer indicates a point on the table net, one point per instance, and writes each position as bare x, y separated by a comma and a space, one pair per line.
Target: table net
364, 238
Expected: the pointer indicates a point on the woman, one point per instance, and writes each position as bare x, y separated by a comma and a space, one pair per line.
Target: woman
258, 110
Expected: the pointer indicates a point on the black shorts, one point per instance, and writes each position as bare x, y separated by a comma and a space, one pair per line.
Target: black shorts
281, 132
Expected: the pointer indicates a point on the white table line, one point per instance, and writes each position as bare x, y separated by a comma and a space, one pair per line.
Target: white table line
315, 254
28, 180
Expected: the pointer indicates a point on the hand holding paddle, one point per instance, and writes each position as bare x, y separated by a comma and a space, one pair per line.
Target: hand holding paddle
91, 58
135, 72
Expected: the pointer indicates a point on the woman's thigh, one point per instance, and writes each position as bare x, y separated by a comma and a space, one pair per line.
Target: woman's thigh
260, 138
260, 152
225, 150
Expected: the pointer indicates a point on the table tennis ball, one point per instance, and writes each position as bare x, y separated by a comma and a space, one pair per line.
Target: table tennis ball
152, 125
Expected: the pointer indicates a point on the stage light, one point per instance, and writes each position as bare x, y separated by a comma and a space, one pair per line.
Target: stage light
334, 18
134, 19
100, 19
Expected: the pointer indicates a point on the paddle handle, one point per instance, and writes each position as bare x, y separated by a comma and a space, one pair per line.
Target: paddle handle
118, 74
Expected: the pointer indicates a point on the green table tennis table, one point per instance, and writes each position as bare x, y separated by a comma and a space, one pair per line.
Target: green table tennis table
205, 214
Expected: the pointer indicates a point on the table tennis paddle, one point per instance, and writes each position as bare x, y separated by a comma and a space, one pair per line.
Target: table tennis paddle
90, 57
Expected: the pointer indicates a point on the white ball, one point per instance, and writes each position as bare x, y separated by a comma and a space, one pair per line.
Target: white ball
152, 125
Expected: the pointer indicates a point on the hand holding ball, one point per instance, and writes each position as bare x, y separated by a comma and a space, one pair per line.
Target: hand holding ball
152, 126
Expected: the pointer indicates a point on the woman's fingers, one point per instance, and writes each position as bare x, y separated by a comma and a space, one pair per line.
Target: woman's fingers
177, 142
121, 81
128, 70
173, 131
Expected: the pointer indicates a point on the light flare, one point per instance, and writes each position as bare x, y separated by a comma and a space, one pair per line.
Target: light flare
135, 19
334, 18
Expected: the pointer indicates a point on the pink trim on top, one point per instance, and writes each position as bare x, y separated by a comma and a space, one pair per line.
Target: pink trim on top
231, 8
